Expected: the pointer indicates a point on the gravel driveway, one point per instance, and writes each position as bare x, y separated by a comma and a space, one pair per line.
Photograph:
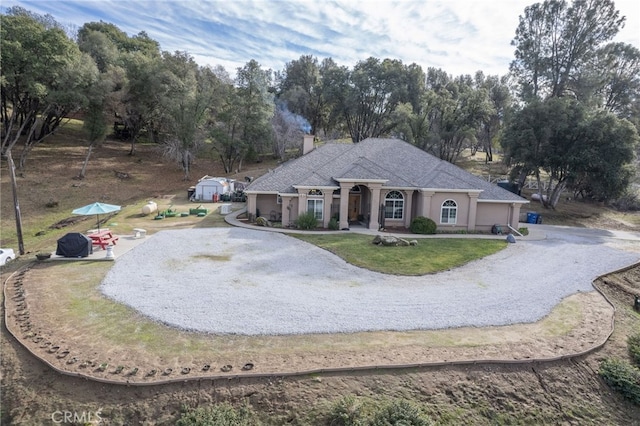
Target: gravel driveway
242, 281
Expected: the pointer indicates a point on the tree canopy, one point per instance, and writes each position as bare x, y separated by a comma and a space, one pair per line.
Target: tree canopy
591, 152
555, 42
45, 78
563, 51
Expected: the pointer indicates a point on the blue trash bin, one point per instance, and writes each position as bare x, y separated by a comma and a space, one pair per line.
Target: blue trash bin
532, 217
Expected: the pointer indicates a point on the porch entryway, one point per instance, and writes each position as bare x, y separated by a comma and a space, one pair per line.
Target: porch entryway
355, 201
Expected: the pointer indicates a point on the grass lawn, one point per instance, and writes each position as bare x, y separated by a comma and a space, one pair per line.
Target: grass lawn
431, 255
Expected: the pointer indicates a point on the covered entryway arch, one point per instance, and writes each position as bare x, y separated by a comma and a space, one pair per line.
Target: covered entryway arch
357, 196
360, 203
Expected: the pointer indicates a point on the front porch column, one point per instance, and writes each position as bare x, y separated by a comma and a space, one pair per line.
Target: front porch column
374, 210
408, 207
473, 208
286, 212
345, 188
426, 204
326, 208
302, 203
251, 205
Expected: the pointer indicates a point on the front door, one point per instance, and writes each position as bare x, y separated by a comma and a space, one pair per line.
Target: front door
354, 207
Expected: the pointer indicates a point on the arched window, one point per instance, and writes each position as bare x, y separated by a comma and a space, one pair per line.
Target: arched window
393, 205
315, 203
449, 212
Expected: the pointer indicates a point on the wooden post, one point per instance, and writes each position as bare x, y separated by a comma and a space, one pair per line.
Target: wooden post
16, 204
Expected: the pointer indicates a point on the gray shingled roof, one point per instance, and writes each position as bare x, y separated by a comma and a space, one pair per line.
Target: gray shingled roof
400, 163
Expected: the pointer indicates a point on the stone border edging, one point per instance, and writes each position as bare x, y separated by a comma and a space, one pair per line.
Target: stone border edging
319, 371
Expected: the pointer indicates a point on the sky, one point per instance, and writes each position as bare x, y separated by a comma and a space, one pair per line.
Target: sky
458, 36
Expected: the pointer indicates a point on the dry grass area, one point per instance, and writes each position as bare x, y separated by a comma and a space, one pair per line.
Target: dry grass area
50, 179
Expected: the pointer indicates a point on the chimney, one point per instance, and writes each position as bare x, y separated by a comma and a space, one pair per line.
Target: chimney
307, 145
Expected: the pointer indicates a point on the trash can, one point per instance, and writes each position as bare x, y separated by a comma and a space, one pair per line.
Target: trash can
539, 219
532, 217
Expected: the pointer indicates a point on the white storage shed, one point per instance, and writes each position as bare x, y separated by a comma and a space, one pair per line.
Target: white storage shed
211, 188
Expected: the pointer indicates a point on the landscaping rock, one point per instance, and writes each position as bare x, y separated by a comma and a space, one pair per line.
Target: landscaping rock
511, 238
390, 241
403, 243
263, 221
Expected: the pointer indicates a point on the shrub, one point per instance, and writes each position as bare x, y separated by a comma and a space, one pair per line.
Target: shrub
633, 344
422, 225
623, 377
399, 413
629, 201
333, 224
219, 415
306, 221
345, 412
51, 203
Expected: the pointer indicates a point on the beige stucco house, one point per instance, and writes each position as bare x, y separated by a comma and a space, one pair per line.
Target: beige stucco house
380, 183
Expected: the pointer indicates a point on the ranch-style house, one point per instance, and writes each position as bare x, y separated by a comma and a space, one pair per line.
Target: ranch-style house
380, 183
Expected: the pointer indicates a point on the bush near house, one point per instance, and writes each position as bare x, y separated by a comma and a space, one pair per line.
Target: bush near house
423, 225
306, 221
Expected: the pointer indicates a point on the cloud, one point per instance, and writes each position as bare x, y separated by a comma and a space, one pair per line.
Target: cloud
459, 36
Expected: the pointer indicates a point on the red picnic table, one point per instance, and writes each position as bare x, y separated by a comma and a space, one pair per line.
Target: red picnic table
103, 238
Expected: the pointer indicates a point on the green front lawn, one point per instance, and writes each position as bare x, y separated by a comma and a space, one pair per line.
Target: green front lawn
429, 256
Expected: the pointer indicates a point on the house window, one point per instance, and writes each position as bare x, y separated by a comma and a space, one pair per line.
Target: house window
449, 212
393, 205
315, 206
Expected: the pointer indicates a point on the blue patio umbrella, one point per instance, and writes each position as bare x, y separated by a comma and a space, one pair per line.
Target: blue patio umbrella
97, 209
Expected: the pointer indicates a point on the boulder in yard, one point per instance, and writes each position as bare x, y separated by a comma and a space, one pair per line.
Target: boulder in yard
390, 241
402, 242
262, 221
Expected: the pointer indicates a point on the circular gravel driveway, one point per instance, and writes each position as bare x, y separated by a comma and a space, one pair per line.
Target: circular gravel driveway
247, 282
